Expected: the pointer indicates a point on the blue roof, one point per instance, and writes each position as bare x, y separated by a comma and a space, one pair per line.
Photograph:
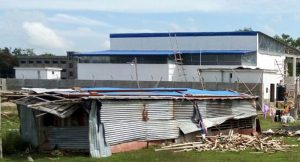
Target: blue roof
159, 52
184, 34
159, 92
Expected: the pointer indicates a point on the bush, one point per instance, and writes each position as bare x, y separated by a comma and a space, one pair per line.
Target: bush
12, 142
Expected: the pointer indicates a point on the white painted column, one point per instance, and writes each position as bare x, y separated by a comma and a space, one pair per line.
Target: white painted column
294, 68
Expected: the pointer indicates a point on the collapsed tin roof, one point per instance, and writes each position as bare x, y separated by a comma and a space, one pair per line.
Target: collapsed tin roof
63, 102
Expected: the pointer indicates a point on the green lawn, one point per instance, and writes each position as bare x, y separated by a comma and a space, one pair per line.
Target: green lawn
150, 155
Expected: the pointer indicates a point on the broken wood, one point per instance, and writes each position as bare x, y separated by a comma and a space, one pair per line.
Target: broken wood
232, 142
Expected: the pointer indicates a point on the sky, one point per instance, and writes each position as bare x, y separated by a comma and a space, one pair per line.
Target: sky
57, 26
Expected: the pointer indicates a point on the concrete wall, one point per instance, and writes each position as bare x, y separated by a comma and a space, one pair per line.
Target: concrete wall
2, 84
31, 73
147, 72
185, 43
53, 74
37, 74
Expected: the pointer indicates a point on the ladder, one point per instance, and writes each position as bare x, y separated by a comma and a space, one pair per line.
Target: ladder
178, 60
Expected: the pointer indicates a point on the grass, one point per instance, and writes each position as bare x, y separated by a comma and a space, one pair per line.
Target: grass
149, 155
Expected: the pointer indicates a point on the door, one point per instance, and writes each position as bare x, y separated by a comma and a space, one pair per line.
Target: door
272, 92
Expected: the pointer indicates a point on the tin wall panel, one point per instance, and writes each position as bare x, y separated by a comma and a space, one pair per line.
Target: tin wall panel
68, 137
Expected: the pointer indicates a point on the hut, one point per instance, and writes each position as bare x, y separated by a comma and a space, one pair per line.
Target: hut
102, 121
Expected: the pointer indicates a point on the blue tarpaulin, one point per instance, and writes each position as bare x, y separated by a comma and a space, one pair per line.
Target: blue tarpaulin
159, 92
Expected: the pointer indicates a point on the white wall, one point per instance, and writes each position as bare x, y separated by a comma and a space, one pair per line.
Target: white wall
246, 76
30, 74
265, 61
56, 75
33, 74
185, 43
146, 72
270, 78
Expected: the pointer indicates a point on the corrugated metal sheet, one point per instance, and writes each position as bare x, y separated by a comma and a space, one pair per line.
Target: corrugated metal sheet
68, 137
243, 109
138, 120
183, 109
160, 110
161, 129
98, 146
123, 120
28, 125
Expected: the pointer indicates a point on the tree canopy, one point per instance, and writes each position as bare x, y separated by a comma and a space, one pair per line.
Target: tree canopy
8, 59
7, 63
285, 38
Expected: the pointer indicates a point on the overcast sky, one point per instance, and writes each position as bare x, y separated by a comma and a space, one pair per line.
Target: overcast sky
58, 26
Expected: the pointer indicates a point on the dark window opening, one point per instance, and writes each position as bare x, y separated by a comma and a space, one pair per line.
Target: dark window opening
70, 65
63, 62
55, 62
38, 62
23, 62
78, 118
47, 62
211, 59
31, 62
71, 73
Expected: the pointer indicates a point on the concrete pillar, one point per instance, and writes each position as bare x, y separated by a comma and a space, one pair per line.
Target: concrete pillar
294, 68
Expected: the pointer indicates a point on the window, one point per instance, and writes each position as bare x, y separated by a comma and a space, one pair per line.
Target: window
31, 62
47, 62
23, 62
211, 59
38, 62
70, 65
55, 62
70, 73
63, 70
63, 62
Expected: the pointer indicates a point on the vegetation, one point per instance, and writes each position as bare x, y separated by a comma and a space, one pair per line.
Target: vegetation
9, 59
16, 153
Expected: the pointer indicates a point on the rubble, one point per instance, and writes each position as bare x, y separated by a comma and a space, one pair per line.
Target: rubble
232, 142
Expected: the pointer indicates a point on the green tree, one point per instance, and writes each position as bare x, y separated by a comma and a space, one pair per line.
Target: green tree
7, 63
285, 38
47, 54
245, 29
23, 52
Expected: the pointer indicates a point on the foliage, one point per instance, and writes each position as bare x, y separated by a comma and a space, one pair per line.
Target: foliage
23, 52
245, 29
7, 63
9, 59
12, 143
11, 139
285, 38
47, 54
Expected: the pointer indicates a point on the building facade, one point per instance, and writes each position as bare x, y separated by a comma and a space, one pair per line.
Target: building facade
37, 73
185, 57
67, 64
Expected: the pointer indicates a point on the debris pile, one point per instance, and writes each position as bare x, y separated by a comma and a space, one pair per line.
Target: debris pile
231, 142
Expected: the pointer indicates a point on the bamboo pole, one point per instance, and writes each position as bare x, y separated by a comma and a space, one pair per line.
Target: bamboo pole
1, 151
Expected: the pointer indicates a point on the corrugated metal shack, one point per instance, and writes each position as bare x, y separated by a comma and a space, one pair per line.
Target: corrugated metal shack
102, 121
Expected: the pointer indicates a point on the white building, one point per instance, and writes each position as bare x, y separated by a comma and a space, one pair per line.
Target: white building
37, 73
192, 56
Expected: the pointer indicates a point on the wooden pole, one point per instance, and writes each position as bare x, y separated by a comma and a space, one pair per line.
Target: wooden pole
136, 72
1, 152
295, 110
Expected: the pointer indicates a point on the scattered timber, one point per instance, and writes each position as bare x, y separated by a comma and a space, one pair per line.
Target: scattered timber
232, 142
